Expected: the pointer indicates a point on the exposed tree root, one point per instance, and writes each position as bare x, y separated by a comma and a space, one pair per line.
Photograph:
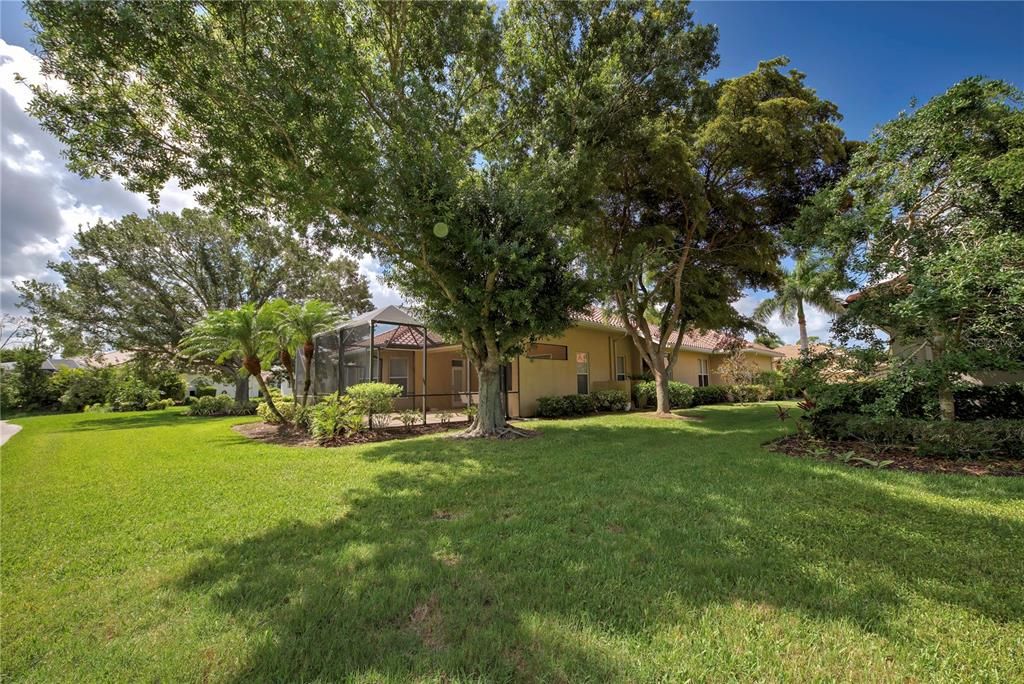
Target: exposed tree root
506, 432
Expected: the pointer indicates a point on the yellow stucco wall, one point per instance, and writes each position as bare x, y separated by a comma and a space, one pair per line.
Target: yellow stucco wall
548, 377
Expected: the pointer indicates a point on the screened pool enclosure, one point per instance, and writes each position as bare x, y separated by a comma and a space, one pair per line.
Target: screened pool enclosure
389, 345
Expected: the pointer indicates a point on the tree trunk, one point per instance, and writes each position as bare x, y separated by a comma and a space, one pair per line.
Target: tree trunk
255, 369
801, 320
664, 407
307, 376
241, 387
947, 407
490, 417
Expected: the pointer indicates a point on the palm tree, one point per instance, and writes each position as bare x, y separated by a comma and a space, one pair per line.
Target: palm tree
284, 338
246, 332
303, 322
806, 283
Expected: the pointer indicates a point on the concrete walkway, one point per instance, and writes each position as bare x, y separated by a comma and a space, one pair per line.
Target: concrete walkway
7, 430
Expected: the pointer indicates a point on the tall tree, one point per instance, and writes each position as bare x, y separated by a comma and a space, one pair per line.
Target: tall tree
688, 216
807, 283
138, 284
374, 122
929, 223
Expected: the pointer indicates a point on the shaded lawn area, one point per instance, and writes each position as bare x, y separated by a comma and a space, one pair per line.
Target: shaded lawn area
153, 546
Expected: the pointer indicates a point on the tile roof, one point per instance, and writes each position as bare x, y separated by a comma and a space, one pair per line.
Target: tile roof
404, 336
704, 340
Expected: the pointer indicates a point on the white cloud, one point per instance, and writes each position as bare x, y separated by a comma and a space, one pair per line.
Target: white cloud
381, 294
43, 204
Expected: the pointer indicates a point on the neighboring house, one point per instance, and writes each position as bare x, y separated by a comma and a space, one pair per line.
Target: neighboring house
596, 353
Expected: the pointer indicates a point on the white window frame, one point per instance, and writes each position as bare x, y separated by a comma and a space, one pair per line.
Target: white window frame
703, 376
404, 377
620, 374
586, 360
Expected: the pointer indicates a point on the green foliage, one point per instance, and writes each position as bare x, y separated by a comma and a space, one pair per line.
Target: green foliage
444, 417
611, 400
929, 217
769, 339
808, 282
568, 405
747, 393
220, 405
79, 387
132, 394
333, 418
711, 394
142, 281
8, 398
159, 405
409, 417
680, 394
30, 384
97, 408
943, 439
206, 391
374, 400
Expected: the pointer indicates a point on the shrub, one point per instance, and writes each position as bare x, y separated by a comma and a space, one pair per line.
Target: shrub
168, 382
444, 417
680, 395
580, 404
30, 383
611, 400
374, 400
747, 393
995, 438
471, 412
998, 438
98, 408
206, 391
553, 407
711, 394
131, 394
79, 387
333, 418
409, 417
993, 401
220, 405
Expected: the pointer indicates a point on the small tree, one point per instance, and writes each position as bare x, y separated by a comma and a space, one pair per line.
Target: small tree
808, 282
302, 322
247, 332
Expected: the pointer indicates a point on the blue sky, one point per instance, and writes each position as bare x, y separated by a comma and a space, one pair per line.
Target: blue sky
870, 58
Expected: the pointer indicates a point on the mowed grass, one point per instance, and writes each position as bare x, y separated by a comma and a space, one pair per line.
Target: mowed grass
158, 547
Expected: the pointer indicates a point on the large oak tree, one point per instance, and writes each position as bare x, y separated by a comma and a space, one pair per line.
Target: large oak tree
140, 283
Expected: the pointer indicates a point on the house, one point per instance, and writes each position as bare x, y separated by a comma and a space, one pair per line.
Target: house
596, 353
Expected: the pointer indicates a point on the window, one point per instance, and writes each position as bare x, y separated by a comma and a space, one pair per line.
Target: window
702, 373
582, 373
398, 373
553, 352
620, 367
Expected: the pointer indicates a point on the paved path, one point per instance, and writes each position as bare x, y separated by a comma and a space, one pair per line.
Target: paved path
7, 430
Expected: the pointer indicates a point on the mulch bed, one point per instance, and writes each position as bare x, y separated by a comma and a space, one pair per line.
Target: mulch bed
274, 434
903, 459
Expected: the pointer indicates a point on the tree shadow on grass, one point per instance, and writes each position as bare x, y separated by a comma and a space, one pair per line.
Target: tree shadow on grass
494, 560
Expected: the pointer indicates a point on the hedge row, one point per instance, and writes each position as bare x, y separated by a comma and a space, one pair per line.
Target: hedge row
580, 404
994, 438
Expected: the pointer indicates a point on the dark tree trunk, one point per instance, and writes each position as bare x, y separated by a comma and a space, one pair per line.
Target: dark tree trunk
241, 387
307, 376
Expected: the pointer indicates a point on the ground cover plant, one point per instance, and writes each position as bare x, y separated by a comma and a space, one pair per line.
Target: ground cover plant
154, 546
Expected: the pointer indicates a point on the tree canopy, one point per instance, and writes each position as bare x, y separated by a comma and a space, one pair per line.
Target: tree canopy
140, 283
929, 224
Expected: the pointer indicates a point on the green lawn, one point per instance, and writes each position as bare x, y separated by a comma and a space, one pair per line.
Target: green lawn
160, 547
